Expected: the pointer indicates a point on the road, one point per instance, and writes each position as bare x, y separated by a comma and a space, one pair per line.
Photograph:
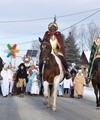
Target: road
32, 108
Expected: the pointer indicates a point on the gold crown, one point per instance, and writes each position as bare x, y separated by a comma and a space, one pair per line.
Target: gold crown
53, 26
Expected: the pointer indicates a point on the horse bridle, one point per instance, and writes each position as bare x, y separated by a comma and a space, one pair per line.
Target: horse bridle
43, 48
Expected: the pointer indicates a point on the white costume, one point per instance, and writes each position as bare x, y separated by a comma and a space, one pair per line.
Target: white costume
5, 82
67, 83
11, 82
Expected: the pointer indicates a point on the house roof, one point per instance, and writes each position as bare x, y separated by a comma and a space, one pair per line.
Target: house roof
84, 59
87, 54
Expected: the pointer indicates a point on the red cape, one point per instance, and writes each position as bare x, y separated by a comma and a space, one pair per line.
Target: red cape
59, 37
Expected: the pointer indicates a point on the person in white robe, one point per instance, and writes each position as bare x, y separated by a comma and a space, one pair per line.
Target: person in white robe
5, 81
11, 81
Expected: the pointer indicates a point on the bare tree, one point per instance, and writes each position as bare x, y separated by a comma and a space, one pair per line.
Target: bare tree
82, 38
87, 34
93, 32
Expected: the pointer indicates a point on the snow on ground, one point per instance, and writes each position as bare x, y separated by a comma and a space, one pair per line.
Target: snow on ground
89, 93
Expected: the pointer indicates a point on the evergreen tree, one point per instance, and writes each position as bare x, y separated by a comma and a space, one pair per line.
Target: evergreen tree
71, 50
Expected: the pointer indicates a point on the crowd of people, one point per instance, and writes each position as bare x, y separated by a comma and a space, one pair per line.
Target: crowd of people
74, 86
19, 81
24, 81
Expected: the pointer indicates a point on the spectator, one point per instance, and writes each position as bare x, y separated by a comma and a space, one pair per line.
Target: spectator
35, 85
21, 78
60, 90
5, 81
73, 74
67, 84
29, 84
79, 83
10, 76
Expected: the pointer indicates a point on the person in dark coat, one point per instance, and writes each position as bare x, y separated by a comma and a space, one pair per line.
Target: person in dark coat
21, 78
73, 74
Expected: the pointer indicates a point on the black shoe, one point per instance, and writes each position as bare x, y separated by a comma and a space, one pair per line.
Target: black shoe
71, 96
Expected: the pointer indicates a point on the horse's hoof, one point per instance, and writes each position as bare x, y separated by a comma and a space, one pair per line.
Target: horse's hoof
45, 103
54, 109
48, 106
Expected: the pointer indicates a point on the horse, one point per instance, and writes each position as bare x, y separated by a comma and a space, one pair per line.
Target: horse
96, 80
52, 73
1, 66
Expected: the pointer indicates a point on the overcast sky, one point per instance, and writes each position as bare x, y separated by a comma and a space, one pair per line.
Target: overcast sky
13, 11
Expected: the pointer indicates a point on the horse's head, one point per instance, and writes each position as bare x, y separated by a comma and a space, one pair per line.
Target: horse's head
46, 49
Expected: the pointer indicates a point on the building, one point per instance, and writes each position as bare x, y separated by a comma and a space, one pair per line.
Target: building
84, 59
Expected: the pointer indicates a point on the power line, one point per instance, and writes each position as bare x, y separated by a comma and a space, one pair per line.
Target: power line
21, 35
26, 42
31, 34
21, 43
39, 19
78, 13
20, 49
81, 20
61, 30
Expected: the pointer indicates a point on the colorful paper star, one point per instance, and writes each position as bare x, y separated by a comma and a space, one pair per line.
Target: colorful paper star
12, 50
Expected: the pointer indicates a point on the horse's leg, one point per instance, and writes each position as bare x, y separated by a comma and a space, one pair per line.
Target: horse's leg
96, 92
50, 96
99, 97
46, 92
54, 95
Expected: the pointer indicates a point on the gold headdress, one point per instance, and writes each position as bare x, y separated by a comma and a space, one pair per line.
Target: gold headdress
53, 25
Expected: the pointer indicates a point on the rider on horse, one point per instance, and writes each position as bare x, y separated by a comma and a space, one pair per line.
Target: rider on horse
56, 40
95, 52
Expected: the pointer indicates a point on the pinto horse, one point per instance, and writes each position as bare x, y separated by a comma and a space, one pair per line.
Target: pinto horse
52, 73
96, 80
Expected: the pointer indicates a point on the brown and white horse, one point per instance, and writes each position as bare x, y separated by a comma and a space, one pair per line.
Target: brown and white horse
52, 73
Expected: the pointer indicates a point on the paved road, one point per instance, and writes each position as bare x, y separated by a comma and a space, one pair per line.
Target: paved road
32, 108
